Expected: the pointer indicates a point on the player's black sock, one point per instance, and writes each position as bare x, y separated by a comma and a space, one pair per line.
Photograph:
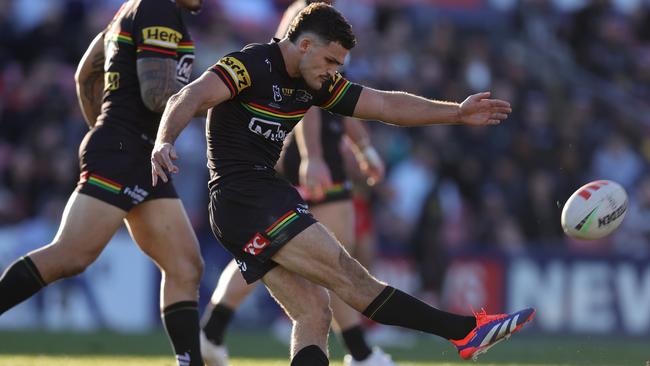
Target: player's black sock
394, 307
181, 321
355, 341
215, 328
310, 356
19, 282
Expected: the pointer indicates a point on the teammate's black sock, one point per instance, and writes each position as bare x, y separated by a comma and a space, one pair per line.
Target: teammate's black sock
216, 326
355, 341
310, 356
19, 282
181, 321
394, 307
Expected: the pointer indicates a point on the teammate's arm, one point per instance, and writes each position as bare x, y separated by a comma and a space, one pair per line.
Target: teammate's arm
314, 174
157, 77
404, 109
89, 80
203, 93
367, 157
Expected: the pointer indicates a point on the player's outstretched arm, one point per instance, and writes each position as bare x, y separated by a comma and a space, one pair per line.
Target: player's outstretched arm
404, 109
203, 93
89, 80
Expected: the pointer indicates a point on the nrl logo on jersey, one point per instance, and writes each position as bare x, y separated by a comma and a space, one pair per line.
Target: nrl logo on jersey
276, 93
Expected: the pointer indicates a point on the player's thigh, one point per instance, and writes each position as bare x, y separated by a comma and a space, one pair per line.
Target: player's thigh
163, 231
299, 297
86, 227
338, 217
316, 255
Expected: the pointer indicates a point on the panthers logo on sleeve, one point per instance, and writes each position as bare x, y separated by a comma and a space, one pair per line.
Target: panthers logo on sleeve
234, 74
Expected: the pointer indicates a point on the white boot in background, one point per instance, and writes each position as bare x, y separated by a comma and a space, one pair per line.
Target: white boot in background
376, 358
213, 355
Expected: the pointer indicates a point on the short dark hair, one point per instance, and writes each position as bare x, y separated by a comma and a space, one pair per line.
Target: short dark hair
324, 21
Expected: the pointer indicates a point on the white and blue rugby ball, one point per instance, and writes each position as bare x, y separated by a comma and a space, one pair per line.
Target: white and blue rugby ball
595, 210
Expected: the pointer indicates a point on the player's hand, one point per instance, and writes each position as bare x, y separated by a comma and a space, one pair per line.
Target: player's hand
315, 177
371, 165
478, 110
161, 161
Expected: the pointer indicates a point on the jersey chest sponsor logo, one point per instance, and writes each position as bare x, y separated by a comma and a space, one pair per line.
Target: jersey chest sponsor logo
184, 68
257, 244
270, 130
161, 36
237, 71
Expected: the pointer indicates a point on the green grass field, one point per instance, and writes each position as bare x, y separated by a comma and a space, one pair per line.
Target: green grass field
258, 349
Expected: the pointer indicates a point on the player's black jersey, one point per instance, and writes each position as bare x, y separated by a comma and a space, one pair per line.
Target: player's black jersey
141, 28
249, 129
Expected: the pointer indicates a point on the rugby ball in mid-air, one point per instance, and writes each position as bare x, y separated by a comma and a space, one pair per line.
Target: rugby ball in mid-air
594, 210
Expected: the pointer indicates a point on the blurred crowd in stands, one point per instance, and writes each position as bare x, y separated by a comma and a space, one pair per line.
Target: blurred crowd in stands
576, 72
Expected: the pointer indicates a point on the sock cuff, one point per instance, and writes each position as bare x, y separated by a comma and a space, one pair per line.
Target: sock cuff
313, 354
31, 267
180, 306
352, 330
223, 309
379, 301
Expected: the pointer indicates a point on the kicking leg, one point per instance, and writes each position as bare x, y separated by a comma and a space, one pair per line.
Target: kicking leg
162, 230
308, 307
339, 218
86, 227
316, 255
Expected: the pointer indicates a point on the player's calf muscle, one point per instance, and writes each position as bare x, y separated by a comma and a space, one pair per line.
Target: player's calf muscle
356, 287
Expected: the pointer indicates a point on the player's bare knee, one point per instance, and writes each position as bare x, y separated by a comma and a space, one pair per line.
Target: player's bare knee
187, 270
316, 317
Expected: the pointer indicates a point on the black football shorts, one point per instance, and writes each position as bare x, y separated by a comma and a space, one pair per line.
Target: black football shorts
254, 216
116, 168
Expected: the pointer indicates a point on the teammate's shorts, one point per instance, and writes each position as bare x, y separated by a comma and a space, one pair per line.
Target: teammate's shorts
116, 168
339, 191
254, 217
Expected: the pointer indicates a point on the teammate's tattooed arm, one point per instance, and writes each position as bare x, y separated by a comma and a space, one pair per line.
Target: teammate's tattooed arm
158, 81
89, 80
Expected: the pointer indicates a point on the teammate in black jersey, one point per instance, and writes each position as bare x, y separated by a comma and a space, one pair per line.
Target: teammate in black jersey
123, 82
311, 161
256, 96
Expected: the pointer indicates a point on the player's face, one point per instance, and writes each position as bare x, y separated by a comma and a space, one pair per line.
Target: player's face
320, 61
193, 5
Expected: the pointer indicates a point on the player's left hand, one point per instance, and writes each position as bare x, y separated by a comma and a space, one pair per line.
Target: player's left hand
161, 160
478, 110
